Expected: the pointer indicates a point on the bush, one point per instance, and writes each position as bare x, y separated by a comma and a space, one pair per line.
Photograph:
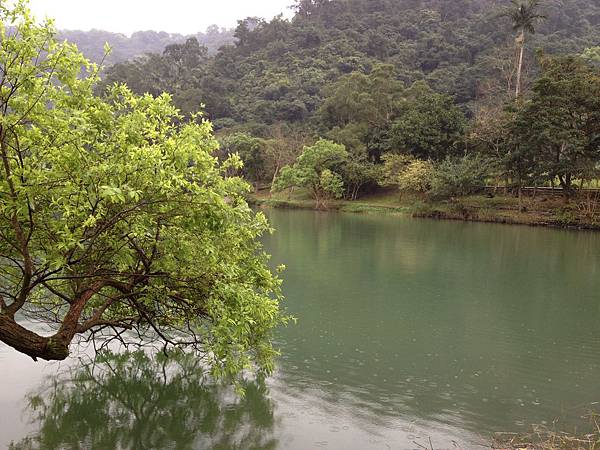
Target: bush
458, 177
416, 177
407, 173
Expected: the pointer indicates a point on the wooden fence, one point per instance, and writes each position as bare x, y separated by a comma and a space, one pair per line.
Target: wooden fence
541, 191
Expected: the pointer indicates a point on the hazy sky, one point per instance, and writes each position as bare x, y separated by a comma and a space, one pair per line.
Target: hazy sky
174, 16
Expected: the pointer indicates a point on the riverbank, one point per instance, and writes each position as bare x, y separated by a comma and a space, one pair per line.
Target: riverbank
546, 211
543, 438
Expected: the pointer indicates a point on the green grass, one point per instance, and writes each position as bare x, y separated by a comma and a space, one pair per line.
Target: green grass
543, 211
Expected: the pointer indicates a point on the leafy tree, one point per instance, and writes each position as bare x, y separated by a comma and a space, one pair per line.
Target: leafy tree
407, 173
429, 126
114, 217
524, 16
358, 98
316, 169
416, 177
331, 184
359, 173
179, 71
354, 136
251, 150
457, 177
393, 165
493, 136
560, 125
283, 146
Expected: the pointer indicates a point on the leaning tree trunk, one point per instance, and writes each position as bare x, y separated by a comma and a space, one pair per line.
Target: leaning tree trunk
521, 43
29, 343
273, 180
50, 348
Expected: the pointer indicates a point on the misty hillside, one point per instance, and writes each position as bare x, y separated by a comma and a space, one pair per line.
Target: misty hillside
91, 43
278, 70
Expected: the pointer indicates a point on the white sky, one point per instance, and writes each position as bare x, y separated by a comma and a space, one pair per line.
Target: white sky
173, 16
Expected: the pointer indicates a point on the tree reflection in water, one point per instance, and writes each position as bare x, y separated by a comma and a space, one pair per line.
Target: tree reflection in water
141, 401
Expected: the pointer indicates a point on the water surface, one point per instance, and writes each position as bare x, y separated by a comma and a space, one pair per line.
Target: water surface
407, 330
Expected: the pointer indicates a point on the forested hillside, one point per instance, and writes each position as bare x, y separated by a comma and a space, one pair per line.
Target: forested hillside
277, 70
431, 96
91, 43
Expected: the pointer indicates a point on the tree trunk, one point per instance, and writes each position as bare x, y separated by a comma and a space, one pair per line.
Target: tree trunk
521, 40
52, 348
273, 180
565, 183
31, 344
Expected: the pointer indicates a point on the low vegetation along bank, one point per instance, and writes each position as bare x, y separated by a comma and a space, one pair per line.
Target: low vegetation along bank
547, 210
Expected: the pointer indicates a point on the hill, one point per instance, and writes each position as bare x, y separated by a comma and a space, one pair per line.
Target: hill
277, 70
124, 48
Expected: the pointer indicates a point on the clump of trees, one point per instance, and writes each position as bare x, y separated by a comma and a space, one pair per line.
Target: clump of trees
116, 218
458, 177
451, 177
560, 123
317, 169
407, 173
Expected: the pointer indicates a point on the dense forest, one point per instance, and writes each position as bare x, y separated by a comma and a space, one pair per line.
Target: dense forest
417, 92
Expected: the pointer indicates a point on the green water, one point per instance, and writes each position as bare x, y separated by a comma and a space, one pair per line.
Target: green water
407, 330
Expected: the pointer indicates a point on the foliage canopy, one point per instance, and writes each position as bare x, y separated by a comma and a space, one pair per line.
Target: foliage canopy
116, 219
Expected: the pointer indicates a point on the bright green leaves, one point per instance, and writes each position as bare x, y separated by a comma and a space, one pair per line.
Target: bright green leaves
331, 183
112, 194
407, 173
117, 194
592, 54
315, 169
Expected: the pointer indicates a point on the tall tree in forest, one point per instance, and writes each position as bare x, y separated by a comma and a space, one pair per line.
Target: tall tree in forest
524, 16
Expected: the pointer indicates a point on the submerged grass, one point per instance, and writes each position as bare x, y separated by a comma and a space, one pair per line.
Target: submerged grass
544, 438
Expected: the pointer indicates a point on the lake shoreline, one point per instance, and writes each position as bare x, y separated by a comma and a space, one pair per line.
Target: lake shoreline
547, 213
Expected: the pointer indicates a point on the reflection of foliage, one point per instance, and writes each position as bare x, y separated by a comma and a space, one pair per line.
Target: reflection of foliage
139, 401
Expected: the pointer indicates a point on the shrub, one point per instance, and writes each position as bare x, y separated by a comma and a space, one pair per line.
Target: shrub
407, 173
416, 177
457, 177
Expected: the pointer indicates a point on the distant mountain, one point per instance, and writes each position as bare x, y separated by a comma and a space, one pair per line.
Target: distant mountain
124, 48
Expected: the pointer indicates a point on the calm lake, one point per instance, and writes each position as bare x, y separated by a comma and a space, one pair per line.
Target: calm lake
408, 330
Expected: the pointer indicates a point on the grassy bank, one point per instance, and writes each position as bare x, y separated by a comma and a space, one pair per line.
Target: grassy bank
546, 211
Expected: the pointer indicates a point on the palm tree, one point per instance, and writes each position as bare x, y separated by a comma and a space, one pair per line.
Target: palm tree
524, 16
